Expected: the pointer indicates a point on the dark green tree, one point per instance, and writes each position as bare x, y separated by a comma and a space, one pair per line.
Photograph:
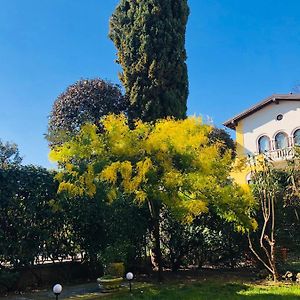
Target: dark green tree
207, 240
150, 38
86, 100
218, 135
27, 215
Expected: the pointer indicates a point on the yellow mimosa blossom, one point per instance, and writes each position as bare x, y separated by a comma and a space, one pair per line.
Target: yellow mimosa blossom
169, 162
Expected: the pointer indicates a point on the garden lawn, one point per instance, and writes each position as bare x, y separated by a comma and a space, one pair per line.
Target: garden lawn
206, 290
206, 286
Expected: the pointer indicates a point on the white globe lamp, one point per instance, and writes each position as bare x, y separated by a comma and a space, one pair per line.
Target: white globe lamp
57, 289
129, 277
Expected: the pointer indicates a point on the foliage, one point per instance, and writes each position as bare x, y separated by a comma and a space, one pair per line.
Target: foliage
288, 207
85, 219
221, 135
86, 100
27, 218
150, 38
207, 240
170, 163
8, 280
126, 225
9, 155
287, 211
292, 194
36, 224
115, 269
266, 189
277, 193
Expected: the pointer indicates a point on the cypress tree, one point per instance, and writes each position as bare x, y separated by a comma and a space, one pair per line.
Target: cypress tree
150, 38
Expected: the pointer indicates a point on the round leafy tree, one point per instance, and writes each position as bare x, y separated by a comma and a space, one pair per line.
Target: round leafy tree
150, 38
85, 101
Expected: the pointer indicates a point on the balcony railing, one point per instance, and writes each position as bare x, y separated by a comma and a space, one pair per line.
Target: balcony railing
275, 155
281, 154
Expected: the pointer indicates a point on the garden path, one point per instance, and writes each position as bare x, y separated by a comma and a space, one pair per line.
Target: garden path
69, 293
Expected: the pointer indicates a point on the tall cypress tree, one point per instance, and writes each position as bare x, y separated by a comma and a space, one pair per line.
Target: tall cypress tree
150, 38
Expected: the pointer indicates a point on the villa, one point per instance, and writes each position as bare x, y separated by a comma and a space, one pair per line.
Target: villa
271, 127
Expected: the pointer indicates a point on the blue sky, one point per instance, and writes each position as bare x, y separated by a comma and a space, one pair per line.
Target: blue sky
238, 53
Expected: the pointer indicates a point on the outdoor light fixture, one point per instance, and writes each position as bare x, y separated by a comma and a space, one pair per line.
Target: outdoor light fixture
57, 289
129, 277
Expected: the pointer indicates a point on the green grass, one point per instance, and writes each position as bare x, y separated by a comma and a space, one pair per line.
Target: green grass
214, 291
205, 291
176, 288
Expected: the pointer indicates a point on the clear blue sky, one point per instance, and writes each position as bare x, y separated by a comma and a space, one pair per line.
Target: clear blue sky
238, 53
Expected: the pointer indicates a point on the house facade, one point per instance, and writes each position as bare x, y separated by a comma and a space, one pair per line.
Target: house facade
271, 127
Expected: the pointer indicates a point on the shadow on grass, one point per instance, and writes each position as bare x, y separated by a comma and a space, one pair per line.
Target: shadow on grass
197, 290
214, 291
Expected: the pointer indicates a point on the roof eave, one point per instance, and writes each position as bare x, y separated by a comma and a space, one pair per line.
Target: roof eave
232, 123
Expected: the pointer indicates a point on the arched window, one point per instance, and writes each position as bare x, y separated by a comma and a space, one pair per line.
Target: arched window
263, 144
297, 137
281, 140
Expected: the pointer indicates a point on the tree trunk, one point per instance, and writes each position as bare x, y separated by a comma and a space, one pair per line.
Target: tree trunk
266, 193
270, 261
157, 249
156, 234
273, 262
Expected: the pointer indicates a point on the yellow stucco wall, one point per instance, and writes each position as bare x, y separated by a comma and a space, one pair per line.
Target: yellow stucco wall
239, 174
239, 139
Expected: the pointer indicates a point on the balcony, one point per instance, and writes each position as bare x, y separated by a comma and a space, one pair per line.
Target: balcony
280, 154
281, 148
276, 155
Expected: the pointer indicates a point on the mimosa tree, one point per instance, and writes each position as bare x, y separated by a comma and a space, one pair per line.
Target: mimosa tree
170, 163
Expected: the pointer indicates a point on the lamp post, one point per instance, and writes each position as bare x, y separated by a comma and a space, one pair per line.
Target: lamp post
129, 277
57, 289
